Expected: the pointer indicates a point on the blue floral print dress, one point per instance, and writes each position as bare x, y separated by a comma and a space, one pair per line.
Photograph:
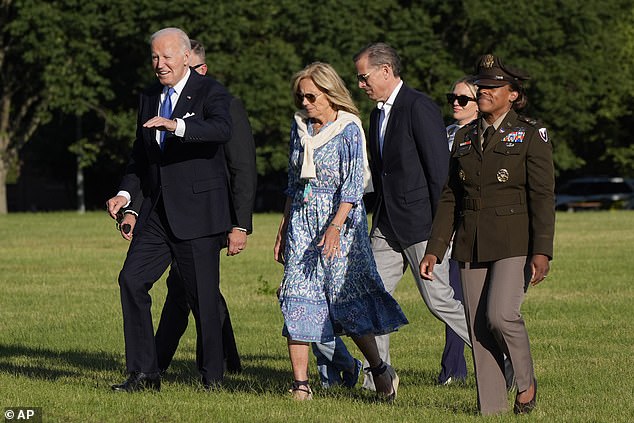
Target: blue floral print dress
322, 298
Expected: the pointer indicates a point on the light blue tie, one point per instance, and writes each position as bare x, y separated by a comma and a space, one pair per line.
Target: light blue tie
166, 111
381, 134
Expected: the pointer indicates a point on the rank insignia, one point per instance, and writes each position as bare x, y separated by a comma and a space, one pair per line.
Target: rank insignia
503, 175
462, 175
543, 134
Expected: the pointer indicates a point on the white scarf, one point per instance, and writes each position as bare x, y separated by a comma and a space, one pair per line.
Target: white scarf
310, 143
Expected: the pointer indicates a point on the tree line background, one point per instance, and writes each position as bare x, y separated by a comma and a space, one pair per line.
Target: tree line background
71, 72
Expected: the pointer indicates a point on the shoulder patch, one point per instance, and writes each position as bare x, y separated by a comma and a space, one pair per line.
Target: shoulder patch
543, 133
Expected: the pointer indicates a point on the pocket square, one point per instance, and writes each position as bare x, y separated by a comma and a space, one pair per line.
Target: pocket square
188, 115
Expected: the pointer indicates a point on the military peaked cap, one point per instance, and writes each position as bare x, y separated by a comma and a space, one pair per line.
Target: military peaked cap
491, 72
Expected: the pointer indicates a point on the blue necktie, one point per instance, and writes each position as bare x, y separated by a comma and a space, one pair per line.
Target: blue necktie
381, 119
166, 111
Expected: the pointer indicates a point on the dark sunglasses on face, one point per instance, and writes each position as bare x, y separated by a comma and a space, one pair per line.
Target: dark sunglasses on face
310, 97
463, 100
363, 77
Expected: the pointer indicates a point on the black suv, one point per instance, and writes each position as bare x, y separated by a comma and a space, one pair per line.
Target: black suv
596, 193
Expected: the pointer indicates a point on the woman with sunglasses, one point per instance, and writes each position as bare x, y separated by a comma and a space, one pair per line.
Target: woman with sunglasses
464, 104
331, 285
499, 199
462, 100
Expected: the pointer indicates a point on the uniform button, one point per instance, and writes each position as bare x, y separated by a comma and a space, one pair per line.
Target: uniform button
477, 188
512, 210
478, 173
385, 173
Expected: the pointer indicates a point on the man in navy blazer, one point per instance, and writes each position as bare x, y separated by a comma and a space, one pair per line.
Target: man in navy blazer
178, 162
409, 160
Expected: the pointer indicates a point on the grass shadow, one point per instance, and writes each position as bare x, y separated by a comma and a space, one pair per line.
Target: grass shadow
49, 364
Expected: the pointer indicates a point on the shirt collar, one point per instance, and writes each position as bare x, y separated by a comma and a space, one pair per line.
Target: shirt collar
178, 88
390, 101
496, 124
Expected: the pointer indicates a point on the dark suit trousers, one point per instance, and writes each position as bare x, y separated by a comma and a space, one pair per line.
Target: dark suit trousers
149, 255
174, 320
453, 364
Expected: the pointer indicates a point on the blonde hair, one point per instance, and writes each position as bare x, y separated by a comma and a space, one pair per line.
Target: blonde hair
468, 81
328, 82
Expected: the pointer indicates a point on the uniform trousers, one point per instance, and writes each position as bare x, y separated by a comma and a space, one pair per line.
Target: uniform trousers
493, 294
149, 255
392, 260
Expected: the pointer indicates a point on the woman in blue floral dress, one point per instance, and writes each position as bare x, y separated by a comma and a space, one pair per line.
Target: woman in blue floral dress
330, 285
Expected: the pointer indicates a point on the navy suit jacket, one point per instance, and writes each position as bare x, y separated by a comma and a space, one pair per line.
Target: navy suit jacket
189, 174
410, 173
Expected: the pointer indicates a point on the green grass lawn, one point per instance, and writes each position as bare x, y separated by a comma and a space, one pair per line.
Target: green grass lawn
61, 337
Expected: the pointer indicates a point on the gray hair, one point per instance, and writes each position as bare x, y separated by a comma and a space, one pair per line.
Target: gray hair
381, 54
183, 38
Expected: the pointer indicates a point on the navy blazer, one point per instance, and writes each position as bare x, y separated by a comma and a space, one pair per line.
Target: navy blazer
189, 174
410, 173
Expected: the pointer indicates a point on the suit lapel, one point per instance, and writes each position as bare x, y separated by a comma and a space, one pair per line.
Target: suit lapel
393, 120
153, 99
374, 135
185, 98
504, 127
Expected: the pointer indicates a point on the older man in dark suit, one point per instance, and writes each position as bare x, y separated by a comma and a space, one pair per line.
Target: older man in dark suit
178, 162
240, 157
409, 160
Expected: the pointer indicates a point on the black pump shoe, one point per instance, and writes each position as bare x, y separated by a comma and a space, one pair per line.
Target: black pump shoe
526, 407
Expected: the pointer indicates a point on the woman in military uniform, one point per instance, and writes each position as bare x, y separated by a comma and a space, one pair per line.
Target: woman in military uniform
499, 199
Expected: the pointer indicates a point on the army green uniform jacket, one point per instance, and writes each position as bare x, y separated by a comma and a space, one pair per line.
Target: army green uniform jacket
500, 202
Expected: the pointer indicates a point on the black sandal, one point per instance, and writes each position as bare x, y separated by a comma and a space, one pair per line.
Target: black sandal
301, 390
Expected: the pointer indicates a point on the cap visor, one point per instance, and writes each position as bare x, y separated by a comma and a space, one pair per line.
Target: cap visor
485, 81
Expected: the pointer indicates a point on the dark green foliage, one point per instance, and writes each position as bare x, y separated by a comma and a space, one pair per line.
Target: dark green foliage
90, 59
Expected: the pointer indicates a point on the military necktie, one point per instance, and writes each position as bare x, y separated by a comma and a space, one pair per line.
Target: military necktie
166, 111
487, 136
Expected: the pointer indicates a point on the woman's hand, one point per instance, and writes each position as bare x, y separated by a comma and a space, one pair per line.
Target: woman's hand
540, 267
280, 245
280, 240
331, 243
427, 267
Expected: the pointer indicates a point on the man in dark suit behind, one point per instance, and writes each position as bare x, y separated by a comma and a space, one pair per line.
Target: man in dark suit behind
178, 162
409, 160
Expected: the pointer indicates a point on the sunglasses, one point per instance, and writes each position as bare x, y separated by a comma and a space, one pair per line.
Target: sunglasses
463, 100
364, 77
310, 97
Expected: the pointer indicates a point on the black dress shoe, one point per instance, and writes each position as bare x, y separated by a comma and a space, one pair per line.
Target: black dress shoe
233, 366
138, 381
526, 407
211, 385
